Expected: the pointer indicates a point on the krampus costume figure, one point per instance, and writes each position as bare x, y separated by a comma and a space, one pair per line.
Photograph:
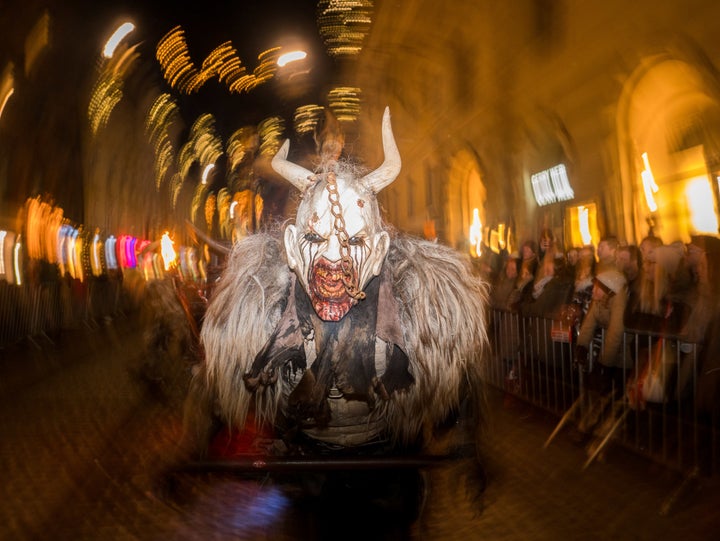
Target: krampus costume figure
338, 335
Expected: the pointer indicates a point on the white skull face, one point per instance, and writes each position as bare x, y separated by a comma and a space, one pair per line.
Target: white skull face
314, 252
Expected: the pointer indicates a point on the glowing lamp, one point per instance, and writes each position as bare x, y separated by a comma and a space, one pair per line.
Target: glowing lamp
290, 57
119, 34
649, 184
584, 225
206, 172
17, 261
95, 261
167, 251
475, 234
110, 258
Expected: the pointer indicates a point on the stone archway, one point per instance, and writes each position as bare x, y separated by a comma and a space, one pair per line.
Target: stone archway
465, 192
669, 120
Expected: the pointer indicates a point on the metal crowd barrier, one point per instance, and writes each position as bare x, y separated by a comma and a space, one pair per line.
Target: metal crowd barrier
532, 359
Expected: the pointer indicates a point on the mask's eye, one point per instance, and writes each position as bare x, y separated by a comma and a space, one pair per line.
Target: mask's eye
313, 238
356, 241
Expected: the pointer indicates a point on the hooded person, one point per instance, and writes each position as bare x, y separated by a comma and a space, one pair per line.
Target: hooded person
606, 311
338, 333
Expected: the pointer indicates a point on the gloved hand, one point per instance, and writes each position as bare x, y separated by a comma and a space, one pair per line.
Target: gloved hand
581, 357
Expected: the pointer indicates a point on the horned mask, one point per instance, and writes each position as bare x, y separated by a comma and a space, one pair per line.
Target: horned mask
338, 243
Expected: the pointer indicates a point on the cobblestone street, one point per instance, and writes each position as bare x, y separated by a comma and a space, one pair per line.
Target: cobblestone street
82, 439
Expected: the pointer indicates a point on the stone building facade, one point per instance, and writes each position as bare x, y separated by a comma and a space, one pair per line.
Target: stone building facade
488, 97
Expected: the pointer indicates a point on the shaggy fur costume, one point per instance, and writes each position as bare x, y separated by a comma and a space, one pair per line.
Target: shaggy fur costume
441, 309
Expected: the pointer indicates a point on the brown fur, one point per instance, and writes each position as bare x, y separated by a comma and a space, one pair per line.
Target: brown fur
442, 313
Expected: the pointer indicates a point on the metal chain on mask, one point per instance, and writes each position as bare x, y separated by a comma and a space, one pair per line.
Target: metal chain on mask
346, 262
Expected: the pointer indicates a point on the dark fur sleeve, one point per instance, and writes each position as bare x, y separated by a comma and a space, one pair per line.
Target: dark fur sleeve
442, 310
245, 307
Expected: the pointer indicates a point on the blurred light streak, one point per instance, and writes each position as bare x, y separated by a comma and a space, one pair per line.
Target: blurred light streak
292, 56
584, 225
7, 85
119, 34
541, 188
193, 264
142, 248
167, 251
202, 271
17, 261
108, 88
475, 234
33, 227
122, 240
5, 99
271, 131
344, 102
551, 185
493, 241
7, 254
223, 62
306, 118
130, 255
210, 204
184, 270
198, 201
110, 257
176, 184
158, 266
174, 58
343, 25
36, 41
145, 261
224, 203
52, 230
186, 159
62, 239
106, 94
96, 262
42, 225
3, 234
209, 167
701, 205
70, 251
206, 144
649, 184
77, 252
126, 251
241, 146
163, 112
560, 183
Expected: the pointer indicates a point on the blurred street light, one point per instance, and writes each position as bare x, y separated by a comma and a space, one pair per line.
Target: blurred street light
206, 172
292, 56
122, 31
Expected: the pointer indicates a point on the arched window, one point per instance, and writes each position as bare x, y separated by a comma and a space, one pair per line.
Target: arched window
672, 124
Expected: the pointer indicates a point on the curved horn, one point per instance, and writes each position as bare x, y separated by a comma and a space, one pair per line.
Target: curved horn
390, 168
296, 174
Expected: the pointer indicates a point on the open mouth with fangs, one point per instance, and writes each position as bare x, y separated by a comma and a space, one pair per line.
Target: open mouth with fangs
328, 295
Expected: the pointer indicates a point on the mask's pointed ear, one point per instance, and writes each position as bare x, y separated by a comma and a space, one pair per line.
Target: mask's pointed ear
390, 168
291, 246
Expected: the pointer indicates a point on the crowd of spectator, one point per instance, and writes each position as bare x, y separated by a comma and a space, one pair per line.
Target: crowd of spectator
654, 288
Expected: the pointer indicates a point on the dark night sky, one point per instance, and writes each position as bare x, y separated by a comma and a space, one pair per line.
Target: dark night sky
52, 100
251, 26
